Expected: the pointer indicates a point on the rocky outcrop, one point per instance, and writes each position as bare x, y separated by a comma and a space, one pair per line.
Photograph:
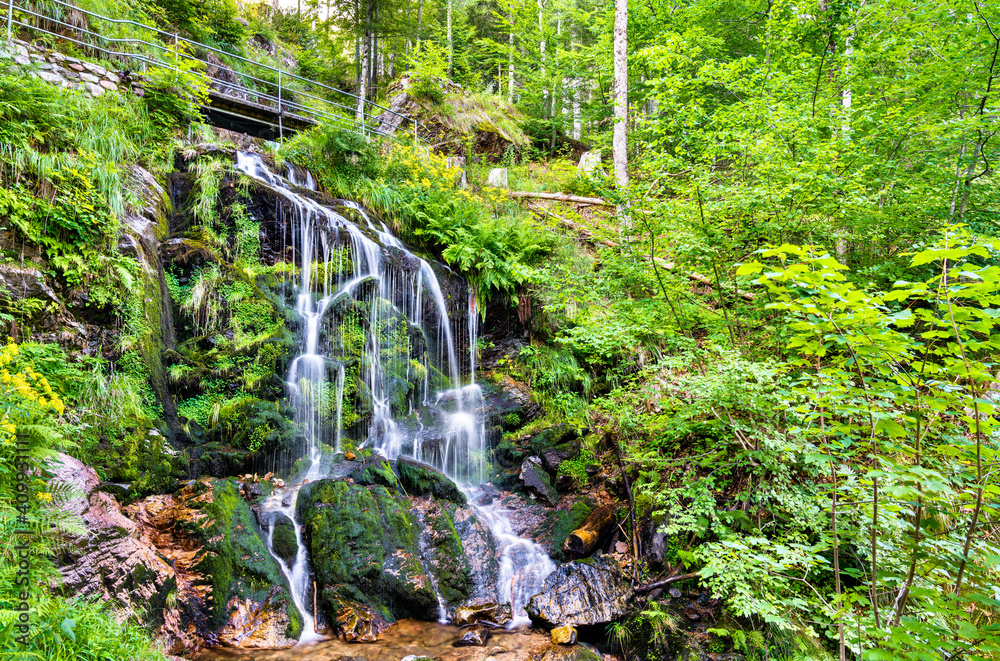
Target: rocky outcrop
58, 69
229, 587
483, 612
19, 283
191, 565
582, 593
113, 561
353, 621
537, 482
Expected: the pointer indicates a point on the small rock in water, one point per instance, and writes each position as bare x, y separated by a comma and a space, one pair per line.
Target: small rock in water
357, 623
350, 456
564, 635
476, 635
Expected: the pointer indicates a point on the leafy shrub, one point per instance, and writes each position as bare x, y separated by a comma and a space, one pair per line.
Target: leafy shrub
176, 92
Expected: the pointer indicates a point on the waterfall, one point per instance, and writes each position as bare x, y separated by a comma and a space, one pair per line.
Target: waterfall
375, 322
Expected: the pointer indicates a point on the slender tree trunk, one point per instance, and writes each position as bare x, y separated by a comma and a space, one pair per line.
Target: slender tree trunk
510, 59
451, 44
357, 44
420, 22
558, 93
366, 52
541, 57
619, 144
577, 93
409, 17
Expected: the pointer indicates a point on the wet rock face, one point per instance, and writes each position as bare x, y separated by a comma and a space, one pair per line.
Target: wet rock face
537, 481
480, 554
363, 546
18, 283
582, 593
420, 479
353, 621
200, 544
255, 625
488, 612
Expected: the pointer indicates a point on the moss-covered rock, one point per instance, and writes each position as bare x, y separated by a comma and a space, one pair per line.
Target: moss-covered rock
552, 437
422, 480
375, 471
236, 560
563, 522
283, 540
364, 547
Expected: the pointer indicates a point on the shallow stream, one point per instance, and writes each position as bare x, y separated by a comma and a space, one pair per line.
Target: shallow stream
405, 638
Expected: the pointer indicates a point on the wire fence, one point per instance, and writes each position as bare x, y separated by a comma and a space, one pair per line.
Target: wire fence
287, 95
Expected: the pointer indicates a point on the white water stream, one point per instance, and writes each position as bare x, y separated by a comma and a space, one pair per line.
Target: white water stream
441, 422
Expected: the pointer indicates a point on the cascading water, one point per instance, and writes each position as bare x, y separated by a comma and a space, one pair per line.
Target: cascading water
375, 318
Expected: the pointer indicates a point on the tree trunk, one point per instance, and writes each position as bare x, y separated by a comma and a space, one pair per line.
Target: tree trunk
510, 60
365, 61
420, 21
541, 54
582, 541
562, 197
619, 144
451, 44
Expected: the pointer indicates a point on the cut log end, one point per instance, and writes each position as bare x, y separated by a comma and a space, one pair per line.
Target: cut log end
582, 541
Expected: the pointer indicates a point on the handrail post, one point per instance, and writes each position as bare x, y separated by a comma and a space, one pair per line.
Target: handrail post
281, 128
10, 17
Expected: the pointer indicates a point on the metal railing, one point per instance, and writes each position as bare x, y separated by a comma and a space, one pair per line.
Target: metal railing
273, 95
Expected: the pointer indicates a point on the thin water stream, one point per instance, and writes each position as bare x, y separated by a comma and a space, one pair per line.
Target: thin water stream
420, 407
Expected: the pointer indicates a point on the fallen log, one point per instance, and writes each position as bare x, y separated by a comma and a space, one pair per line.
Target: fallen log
562, 197
582, 541
667, 581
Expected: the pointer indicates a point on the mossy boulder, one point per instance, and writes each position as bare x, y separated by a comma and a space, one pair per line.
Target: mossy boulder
553, 436
364, 547
236, 560
422, 480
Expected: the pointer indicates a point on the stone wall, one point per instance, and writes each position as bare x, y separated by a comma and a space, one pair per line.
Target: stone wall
71, 72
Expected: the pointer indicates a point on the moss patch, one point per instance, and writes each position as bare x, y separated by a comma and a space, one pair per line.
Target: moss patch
362, 543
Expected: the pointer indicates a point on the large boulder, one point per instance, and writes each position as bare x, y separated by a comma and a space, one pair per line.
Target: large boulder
18, 283
582, 593
364, 547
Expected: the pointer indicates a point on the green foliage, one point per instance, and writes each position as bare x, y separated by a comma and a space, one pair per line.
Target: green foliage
176, 91
31, 517
215, 22
430, 71
73, 629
